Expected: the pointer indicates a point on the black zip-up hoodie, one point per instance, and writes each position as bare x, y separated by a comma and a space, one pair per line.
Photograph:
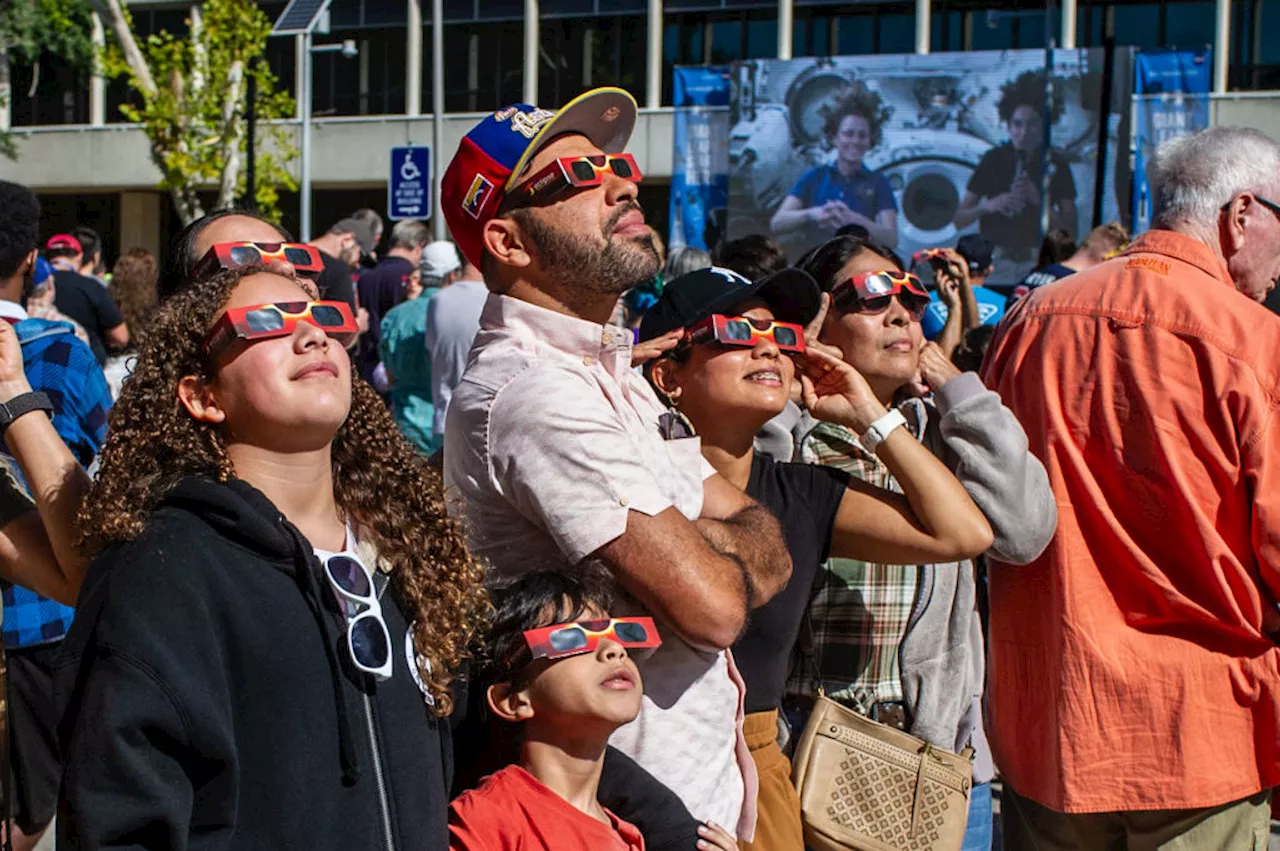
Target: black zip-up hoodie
207, 701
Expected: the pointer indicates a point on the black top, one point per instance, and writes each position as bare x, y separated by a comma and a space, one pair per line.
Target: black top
381, 288
805, 499
206, 699
995, 175
336, 281
87, 302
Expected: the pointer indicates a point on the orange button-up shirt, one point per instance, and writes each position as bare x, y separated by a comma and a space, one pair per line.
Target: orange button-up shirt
1131, 667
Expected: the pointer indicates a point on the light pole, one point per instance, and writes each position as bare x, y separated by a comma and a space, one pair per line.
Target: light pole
349, 50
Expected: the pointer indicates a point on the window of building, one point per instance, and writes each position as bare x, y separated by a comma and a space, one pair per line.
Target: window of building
371, 83
483, 66
1188, 26
60, 94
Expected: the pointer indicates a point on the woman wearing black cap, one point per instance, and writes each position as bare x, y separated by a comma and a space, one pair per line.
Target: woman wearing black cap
734, 371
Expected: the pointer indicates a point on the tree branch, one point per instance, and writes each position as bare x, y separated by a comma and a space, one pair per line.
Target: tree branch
232, 136
114, 14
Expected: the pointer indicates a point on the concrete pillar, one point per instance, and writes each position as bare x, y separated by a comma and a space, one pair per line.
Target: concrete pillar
924, 11
1069, 24
140, 221
653, 57
786, 19
1222, 46
437, 116
413, 61
6, 91
97, 82
531, 30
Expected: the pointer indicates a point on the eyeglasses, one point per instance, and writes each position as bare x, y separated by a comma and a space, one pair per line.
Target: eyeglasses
305, 259
873, 292
263, 321
576, 172
747, 332
578, 637
368, 639
1270, 205
929, 254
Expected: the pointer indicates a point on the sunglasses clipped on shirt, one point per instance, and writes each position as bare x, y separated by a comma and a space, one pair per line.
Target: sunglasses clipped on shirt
873, 292
264, 321
573, 173
368, 639
305, 259
747, 332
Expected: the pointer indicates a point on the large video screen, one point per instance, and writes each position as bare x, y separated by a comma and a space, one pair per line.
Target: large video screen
919, 150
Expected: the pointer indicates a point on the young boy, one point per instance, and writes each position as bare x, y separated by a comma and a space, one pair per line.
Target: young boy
562, 671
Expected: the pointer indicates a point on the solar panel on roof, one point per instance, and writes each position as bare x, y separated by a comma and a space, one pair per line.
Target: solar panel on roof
299, 16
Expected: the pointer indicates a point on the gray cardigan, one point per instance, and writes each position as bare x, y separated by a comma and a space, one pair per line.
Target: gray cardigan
942, 655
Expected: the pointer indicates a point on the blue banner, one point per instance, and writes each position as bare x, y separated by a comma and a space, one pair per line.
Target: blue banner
1171, 99
700, 166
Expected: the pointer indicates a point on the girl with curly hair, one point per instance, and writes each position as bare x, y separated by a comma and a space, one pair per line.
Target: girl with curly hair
263, 650
829, 197
1003, 195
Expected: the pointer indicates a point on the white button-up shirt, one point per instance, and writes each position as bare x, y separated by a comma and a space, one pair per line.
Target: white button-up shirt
551, 440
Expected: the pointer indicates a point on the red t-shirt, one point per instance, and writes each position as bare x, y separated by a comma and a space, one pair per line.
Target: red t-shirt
513, 811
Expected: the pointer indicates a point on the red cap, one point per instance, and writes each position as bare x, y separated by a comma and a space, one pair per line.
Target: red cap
62, 241
492, 158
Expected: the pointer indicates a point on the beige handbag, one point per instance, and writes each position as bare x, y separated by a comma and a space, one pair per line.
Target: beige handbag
870, 787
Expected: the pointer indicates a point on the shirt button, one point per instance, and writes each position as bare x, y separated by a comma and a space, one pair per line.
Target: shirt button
607, 338
588, 360
624, 502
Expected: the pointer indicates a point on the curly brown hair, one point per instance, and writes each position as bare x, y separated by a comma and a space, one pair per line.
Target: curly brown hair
862, 102
1027, 89
383, 488
135, 287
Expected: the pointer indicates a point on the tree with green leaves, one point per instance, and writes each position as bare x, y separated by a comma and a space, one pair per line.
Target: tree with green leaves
193, 92
30, 29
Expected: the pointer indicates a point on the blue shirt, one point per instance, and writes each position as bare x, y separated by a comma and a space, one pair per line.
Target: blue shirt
866, 192
403, 349
57, 363
990, 311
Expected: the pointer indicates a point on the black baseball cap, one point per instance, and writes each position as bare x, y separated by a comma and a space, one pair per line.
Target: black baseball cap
977, 251
790, 293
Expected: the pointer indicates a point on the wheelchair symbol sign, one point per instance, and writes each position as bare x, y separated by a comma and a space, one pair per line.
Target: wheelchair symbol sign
409, 186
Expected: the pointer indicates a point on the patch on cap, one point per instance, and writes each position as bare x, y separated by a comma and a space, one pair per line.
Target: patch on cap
479, 192
610, 115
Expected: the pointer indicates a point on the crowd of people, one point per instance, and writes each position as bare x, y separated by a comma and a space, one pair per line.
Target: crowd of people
543, 539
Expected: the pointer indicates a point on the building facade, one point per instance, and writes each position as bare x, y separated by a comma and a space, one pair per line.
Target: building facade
90, 166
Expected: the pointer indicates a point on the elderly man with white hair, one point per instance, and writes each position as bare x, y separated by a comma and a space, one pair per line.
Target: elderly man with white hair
1134, 694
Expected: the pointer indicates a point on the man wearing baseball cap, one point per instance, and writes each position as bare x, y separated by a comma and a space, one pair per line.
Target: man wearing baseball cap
341, 249
552, 451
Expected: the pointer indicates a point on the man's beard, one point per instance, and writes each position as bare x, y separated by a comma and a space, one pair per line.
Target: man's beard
573, 259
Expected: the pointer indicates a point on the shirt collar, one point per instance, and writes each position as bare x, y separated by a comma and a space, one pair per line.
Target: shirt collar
1179, 246
578, 338
12, 311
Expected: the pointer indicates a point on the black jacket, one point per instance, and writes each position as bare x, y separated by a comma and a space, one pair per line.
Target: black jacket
206, 699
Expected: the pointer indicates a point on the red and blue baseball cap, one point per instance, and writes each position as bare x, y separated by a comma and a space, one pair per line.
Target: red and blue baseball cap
493, 157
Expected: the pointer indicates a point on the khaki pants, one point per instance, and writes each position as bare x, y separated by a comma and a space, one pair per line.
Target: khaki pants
778, 826
1239, 826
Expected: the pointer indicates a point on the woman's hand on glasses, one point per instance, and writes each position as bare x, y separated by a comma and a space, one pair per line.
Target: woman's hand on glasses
814, 328
835, 392
642, 353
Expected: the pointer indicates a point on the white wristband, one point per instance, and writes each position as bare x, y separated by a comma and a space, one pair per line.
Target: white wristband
881, 428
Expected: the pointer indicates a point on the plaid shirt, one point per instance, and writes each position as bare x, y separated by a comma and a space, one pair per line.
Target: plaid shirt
63, 367
860, 610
